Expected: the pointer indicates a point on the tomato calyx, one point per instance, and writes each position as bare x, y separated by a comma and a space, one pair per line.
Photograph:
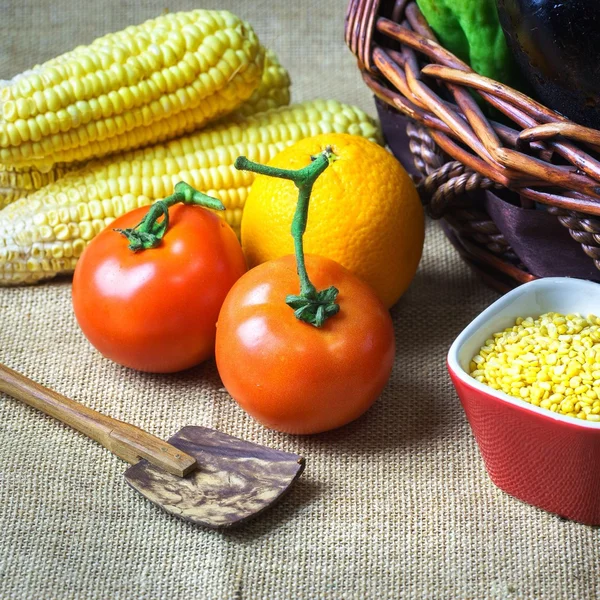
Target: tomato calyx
314, 307
311, 305
150, 231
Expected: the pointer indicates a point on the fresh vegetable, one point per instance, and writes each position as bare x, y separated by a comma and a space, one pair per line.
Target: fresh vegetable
148, 290
312, 359
364, 212
44, 234
552, 361
555, 44
470, 29
139, 86
273, 91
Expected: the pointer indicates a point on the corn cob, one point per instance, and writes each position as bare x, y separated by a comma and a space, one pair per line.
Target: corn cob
132, 88
273, 91
43, 234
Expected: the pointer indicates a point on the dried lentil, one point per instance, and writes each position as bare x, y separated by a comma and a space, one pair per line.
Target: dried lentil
552, 361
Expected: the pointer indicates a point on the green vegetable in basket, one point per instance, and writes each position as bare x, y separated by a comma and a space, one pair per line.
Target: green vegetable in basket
470, 29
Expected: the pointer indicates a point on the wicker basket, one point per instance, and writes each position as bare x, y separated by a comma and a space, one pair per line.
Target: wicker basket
519, 199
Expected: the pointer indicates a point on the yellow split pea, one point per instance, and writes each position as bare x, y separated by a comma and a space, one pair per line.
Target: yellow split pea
552, 361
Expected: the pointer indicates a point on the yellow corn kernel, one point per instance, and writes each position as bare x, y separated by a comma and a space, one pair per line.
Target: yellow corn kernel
549, 361
18, 182
10, 194
73, 209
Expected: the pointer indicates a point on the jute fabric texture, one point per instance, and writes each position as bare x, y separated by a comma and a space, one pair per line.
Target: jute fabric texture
395, 505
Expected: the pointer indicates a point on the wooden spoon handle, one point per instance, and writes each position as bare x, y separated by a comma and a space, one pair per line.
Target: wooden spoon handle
126, 441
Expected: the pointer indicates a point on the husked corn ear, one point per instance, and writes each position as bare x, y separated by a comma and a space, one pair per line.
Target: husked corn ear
132, 88
43, 234
273, 91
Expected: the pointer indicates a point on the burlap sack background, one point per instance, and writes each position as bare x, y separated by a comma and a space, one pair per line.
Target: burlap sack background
397, 504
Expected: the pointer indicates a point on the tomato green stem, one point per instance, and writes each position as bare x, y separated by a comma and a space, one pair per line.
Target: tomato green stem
150, 231
311, 306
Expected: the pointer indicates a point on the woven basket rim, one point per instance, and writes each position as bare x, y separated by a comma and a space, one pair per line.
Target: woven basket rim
540, 156
520, 157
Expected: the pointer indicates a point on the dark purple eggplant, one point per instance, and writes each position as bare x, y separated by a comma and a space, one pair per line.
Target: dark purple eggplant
556, 44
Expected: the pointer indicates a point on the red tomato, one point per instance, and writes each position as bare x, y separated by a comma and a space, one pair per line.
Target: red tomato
155, 310
289, 375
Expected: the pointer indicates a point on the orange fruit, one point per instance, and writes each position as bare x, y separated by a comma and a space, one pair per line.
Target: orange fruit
364, 213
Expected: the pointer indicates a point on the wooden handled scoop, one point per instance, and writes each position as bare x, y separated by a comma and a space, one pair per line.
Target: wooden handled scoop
199, 475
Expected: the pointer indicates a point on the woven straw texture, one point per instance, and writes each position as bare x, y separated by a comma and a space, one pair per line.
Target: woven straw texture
397, 504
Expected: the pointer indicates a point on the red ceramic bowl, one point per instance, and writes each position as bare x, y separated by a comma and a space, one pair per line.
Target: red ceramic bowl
550, 461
